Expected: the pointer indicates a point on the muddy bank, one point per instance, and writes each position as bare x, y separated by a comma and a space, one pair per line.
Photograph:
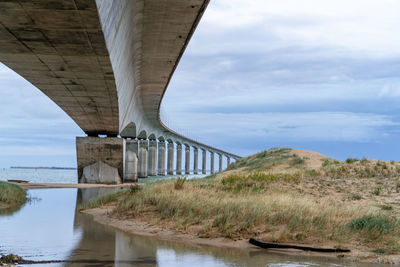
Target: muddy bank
192, 235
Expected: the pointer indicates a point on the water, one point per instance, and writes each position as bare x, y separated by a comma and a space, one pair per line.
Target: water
50, 228
64, 176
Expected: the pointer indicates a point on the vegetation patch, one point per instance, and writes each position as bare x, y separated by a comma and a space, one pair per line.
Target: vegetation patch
255, 181
11, 195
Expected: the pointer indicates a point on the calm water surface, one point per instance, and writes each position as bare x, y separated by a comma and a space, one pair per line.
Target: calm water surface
50, 228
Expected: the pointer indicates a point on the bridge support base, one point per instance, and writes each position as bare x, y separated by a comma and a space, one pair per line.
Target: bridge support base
100, 151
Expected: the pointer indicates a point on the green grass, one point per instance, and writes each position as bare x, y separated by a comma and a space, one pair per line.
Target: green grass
264, 160
11, 194
375, 226
256, 181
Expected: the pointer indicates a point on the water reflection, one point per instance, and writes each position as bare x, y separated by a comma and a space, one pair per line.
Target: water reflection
53, 229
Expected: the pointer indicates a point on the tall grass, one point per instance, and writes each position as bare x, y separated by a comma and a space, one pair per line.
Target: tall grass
11, 194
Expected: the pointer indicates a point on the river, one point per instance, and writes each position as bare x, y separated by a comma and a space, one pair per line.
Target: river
50, 227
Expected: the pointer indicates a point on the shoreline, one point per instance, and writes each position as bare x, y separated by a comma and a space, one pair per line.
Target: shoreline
60, 185
136, 226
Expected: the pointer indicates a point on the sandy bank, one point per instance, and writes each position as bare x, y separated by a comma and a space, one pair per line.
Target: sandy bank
143, 227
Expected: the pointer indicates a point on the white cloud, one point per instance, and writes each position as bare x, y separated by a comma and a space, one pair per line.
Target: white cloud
363, 26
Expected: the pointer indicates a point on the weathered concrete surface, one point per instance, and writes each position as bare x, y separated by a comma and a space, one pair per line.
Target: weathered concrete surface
152, 160
131, 161
220, 163
106, 63
204, 162
178, 159
161, 158
170, 159
195, 160
143, 158
90, 150
59, 47
187, 159
212, 162
100, 173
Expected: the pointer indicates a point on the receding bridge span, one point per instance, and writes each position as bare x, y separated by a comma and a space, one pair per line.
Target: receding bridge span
107, 64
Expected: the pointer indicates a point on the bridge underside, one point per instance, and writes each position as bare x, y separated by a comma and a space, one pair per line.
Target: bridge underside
107, 64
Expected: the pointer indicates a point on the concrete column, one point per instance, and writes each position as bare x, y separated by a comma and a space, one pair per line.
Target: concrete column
204, 163
187, 159
102, 158
152, 161
220, 162
131, 161
228, 161
161, 158
195, 160
212, 163
142, 160
178, 159
170, 160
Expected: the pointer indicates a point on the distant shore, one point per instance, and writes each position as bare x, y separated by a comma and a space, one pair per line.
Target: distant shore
43, 168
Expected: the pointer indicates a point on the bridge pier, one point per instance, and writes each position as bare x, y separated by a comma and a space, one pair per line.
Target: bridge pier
131, 161
204, 162
212, 163
142, 164
178, 159
220, 163
152, 161
228, 161
195, 160
100, 160
170, 159
161, 158
187, 159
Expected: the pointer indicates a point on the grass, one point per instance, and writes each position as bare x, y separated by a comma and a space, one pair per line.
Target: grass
11, 194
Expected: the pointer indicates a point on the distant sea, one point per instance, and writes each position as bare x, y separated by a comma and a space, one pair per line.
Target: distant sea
40, 175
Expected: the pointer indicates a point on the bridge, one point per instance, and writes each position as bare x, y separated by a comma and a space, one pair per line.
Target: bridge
108, 64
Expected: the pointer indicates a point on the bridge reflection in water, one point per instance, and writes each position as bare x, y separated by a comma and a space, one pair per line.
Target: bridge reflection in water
106, 246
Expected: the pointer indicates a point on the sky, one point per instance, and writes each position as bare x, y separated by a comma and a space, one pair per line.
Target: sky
306, 74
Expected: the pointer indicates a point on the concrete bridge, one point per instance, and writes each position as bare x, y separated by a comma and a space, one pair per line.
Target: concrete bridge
107, 64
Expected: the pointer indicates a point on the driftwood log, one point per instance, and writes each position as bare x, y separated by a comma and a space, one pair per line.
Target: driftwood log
282, 246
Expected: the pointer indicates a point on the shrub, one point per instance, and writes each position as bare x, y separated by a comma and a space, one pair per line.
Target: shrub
351, 160
12, 194
178, 184
377, 190
373, 225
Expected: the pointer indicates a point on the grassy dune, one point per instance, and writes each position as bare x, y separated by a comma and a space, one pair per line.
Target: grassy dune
11, 195
276, 196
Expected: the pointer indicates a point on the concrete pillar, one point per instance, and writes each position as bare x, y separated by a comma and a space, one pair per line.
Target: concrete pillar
93, 150
178, 159
228, 161
195, 160
204, 163
187, 159
220, 162
142, 160
131, 161
152, 161
212, 163
161, 158
170, 160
